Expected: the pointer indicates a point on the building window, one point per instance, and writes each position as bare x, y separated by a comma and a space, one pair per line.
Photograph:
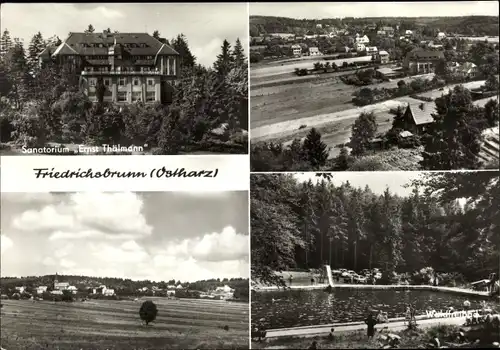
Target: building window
92, 81
145, 69
151, 82
151, 96
121, 81
136, 82
122, 96
136, 96
107, 82
171, 66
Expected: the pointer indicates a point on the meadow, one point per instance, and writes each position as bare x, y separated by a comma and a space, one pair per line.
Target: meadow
110, 324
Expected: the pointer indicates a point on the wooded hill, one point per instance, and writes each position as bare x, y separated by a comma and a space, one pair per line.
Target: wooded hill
304, 225
466, 25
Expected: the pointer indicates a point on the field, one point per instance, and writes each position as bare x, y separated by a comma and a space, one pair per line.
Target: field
99, 324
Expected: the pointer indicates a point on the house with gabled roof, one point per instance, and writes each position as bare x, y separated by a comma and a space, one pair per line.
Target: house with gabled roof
418, 117
131, 66
419, 61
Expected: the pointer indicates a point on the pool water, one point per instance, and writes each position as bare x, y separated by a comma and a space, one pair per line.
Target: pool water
309, 308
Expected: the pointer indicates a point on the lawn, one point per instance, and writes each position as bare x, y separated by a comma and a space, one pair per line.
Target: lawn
104, 324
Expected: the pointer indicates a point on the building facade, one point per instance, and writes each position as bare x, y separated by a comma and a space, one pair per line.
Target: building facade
422, 61
126, 67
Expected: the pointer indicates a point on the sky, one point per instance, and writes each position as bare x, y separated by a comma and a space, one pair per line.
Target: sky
320, 10
205, 25
376, 181
158, 236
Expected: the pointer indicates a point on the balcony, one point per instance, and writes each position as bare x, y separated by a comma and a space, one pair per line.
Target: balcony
127, 73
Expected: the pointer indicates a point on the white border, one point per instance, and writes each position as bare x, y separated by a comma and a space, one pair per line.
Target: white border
18, 175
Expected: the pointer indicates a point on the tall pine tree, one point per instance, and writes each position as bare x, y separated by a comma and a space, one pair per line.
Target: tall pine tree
225, 60
5, 43
180, 44
316, 151
90, 29
36, 46
239, 54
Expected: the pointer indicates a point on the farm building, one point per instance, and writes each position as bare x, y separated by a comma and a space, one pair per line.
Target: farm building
418, 117
388, 73
420, 61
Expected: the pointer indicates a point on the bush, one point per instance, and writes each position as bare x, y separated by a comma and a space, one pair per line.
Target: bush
423, 276
29, 128
148, 311
370, 163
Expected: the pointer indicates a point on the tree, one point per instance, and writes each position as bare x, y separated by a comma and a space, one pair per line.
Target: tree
342, 160
180, 44
36, 46
100, 90
363, 131
156, 35
107, 31
90, 29
491, 83
239, 54
225, 60
453, 142
67, 295
5, 43
316, 151
491, 113
148, 311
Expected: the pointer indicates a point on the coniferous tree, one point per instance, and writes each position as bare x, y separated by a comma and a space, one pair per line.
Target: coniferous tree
316, 151
398, 121
156, 35
90, 29
239, 54
6, 43
36, 46
180, 44
225, 60
491, 113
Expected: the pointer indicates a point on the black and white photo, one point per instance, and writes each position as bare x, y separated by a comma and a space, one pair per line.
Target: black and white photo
110, 78
379, 87
375, 260
124, 270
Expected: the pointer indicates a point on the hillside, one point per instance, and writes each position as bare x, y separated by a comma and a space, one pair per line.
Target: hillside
83, 282
467, 25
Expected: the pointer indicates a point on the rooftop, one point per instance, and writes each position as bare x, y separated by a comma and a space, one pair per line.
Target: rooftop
422, 113
137, 44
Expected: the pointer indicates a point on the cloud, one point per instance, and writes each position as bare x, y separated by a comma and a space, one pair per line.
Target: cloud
226, 245
89, 215
109, 13
5, 243
31, 198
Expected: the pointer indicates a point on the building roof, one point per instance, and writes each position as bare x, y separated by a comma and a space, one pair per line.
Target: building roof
422, 113
420, 54
136, 44
383, 52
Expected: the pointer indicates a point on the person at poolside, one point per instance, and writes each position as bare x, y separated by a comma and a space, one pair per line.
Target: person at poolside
370, 323
312, 280
290, 279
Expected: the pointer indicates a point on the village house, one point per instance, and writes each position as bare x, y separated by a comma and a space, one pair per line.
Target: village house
389, 31
319, 25
441, 36
314, 51
131, 66
371, 50
408, 33
362, 39
360, 47
418, 117
467, 70
223, 293
432, 45
388, 73
382, 56
297, 50
421, 61
20, 290
41, 289
381, 32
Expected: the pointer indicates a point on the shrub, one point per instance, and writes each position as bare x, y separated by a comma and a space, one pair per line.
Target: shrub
148, 311
370, 163
29, 129
423, 276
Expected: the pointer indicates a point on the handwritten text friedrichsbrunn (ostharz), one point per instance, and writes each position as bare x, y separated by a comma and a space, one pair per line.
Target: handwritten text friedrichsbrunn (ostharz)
163, 172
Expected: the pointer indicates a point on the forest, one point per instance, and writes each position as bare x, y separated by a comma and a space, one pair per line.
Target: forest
466, 25
303, 225
41, 105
